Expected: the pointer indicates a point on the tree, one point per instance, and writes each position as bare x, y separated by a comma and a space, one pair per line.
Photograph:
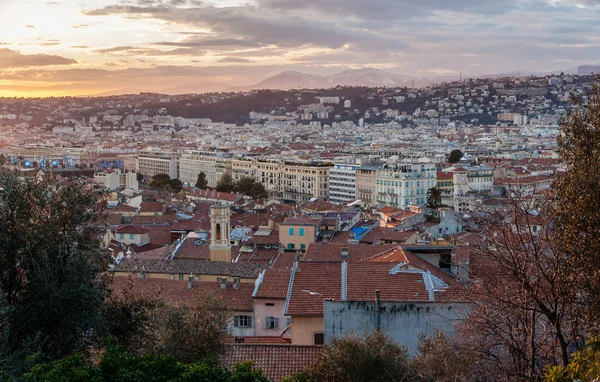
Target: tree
259, 191
164, 182
50, 289
189, 333
226, 183
374, 357
577, 199
455, 156
139, 176
439, 360
201, 182
434, 197
522, 319
585, 365
244, 185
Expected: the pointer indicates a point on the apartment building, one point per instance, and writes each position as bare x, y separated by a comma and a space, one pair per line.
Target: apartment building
212, 163
151, 163
293, 181
401, 184
342, 179
366, 176
469, 183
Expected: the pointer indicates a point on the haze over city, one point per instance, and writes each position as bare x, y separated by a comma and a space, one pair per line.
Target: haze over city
68, 47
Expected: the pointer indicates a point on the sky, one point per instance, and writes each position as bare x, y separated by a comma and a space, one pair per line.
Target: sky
87, 47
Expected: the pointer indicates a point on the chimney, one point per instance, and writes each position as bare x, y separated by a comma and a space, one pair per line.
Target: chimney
345, 252
223, 283
236, 283
190, 282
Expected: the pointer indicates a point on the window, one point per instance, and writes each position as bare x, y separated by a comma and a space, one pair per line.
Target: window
269, 304
303, 246
242, 321
319, 338
181, 277
291, 231
271, 323
131, 236
122, 236
301, 231
291, 246
288, 321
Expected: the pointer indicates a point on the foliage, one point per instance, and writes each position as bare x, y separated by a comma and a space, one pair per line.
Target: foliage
455, 156
440, 360
374, 357
577, 200
584, 366
51, 294
139, 176
128, 317
118, 365
201, 182
164, 182
250, 187
188, 333
226, 183
434, 197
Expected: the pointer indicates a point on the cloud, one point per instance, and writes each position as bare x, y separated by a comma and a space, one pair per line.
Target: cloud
29, 26
80, 46
79, 26
234, 60
14, 59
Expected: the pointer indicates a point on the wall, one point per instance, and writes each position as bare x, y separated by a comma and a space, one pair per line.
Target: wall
261, 311
285, 238
401, 321
241, 332
304, 328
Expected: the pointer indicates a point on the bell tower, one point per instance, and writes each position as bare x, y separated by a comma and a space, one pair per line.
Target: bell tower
220, 244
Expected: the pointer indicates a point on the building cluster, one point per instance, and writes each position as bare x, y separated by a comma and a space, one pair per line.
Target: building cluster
364, 213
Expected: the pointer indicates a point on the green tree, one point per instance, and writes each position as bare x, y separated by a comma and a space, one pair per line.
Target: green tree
434, 197
244, 185
50, 290
374, 357
455, 156
201, 182
140, 176
259, 191
226, 183
584, 366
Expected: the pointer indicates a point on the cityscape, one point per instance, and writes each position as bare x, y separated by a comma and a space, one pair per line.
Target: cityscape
281, 191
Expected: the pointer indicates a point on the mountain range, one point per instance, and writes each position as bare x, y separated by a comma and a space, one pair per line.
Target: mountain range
351, 77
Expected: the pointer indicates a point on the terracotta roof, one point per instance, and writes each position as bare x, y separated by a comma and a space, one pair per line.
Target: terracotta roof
159, 234
131, 229
187, 266
274, 284
145, 248
274, 340
444, 175
185, 225
251, 220
301, 221
175, 291
276, 361
333, 251
151, 207
314, 282
382, 233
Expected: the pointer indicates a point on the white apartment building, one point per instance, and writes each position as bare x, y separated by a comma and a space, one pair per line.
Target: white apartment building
212, 163
114, 180
342, 180
401, 184
151, 163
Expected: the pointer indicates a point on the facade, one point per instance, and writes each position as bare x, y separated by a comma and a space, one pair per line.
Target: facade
366, 177
402, 184
293, 181
298, 233
342, 180
130, 234
469, 181
116, 179
153, 163
269, 302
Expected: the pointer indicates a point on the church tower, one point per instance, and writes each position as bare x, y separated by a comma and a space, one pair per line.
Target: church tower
220, 244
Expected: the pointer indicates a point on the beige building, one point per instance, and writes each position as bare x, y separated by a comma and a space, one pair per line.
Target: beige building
298, 233
212, 163
152, 163
220, 243
366, 176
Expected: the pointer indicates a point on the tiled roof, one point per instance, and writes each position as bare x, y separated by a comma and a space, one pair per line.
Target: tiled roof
301, 221
333, 251
277, 361
131, 229
151, 207
314, 282
382, 233
187, 266
274, 284
185, 225
274, 340
175, 291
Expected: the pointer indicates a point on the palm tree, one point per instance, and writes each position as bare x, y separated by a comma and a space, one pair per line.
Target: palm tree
434, 197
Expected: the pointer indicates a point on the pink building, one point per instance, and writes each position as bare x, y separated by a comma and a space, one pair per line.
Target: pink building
269, 303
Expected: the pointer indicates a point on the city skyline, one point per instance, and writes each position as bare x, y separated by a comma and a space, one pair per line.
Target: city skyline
73, 48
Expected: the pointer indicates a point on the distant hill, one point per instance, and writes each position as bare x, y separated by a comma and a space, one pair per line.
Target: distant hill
208, 87
117, 92
588, 69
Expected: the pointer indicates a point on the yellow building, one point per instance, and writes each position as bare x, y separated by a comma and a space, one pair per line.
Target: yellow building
298, 233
